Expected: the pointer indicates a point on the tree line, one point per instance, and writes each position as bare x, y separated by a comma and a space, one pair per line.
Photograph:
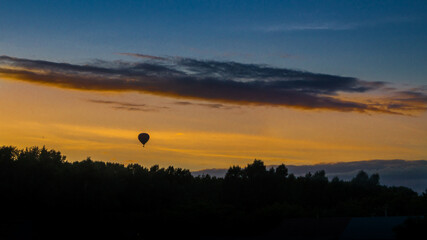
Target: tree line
39, 186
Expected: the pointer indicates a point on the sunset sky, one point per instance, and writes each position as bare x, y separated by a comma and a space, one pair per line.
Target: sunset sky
215, 83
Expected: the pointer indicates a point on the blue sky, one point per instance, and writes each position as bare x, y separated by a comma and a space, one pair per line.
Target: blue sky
371, 40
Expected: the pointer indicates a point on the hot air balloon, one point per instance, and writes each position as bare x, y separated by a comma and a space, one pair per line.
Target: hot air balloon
143, 138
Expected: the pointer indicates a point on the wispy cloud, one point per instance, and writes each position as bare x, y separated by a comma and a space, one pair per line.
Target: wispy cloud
128, 106
142, 56
308, 27
208, 105
219, 82
331, 25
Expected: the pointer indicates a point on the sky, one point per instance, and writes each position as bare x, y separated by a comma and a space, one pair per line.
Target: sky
215, 83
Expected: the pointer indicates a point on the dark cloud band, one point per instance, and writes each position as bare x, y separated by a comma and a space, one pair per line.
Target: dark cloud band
219, 82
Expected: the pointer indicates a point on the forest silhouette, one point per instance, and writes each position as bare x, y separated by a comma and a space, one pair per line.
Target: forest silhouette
101, 199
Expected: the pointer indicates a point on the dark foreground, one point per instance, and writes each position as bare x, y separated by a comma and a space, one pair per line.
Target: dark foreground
44, 196
289, 228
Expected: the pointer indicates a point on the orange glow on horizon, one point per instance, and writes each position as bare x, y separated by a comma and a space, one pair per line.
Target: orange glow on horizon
197, 137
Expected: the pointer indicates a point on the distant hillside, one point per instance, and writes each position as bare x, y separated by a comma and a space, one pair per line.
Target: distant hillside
412, 174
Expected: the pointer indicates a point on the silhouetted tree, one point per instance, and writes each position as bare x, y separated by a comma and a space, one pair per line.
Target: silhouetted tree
361, 178
39, 185
282, 171
374, 179
255, 170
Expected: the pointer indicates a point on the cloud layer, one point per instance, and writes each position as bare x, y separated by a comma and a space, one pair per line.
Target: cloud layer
216, 81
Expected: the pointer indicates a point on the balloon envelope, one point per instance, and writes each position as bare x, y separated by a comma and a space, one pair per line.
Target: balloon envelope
143, 138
